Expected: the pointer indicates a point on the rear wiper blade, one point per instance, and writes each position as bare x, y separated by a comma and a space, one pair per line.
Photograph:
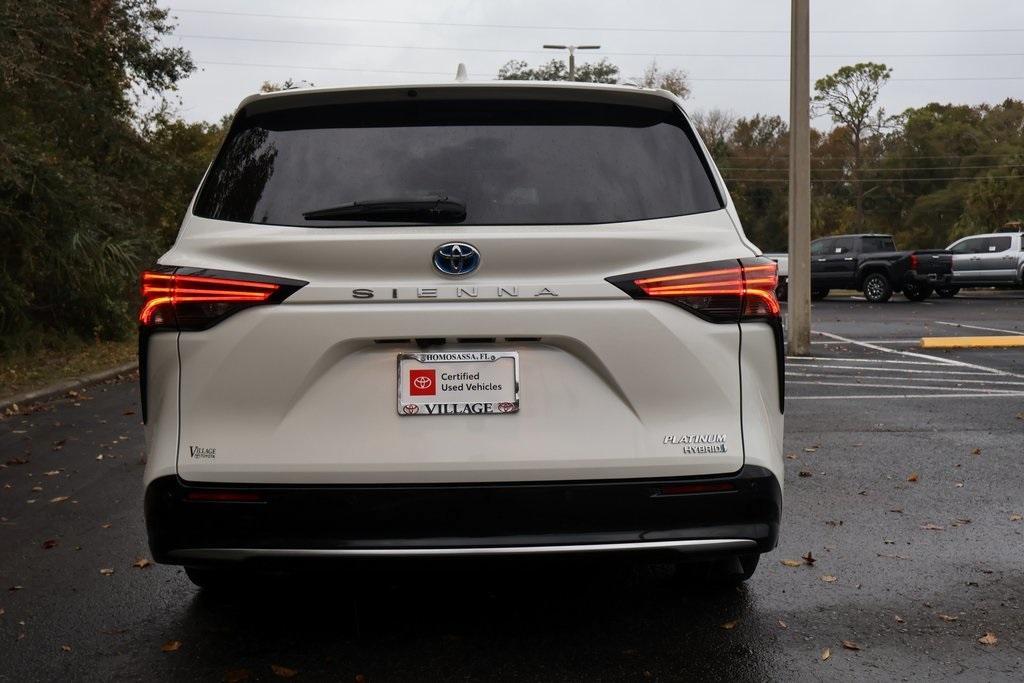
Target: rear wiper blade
432, 209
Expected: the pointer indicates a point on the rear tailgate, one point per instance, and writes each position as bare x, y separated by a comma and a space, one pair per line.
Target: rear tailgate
932, 261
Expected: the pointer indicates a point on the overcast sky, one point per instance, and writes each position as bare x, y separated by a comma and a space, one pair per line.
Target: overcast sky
705, 38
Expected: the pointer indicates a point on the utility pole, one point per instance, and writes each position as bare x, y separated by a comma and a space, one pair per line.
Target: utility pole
572, 55
799, 286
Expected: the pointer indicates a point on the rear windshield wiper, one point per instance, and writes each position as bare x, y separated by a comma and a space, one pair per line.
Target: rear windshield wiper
432, 209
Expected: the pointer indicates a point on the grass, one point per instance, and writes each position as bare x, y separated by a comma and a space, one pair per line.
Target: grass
28, 371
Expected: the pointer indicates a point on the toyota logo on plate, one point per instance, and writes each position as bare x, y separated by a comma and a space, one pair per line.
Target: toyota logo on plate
422, 382
456, 258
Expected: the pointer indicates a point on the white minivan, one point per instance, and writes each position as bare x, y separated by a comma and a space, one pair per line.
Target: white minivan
461, 319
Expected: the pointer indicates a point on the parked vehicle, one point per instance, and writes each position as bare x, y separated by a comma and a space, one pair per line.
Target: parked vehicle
462, 319
871, 264
991, 260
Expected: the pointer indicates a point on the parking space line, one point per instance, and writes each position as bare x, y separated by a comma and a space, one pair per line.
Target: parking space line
915, 379
891, 396
861, 368
978, 327
863, 360
911, 354
1000, 392
876, 341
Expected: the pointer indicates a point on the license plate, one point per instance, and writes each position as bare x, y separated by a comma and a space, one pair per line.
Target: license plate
458, 383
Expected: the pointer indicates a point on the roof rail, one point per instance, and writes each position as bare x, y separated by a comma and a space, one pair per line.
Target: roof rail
460, 73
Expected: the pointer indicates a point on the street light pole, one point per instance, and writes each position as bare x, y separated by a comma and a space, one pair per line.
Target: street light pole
799, 285
572, 55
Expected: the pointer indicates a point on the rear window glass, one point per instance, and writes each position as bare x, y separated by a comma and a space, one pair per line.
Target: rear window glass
508, 162
871, 245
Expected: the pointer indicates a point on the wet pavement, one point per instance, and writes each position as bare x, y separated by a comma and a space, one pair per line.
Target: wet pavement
910, 506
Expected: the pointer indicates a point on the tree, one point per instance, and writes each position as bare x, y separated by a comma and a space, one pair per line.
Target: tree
557, 70
79, 184
715, 127
287, 84
674, 80
849, 97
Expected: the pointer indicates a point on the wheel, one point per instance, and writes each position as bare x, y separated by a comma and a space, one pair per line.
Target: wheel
917, 292
947, 292
876, 288
782, 289
211, 579
818, 294
722, 571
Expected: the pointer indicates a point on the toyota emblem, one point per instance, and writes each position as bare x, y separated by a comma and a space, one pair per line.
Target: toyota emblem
456, 258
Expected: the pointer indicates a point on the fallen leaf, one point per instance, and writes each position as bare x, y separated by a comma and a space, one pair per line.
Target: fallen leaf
805, 473
958, 485
142, 563
828, 578
49, 543
783, 624
171, 646
52, 473
15, 588
912, 477
283, 671
792, 563
106, 571
106, 526
37, 488
850, 645
948, 618
99, 457
18, 461
826, 654
791, 456
900, 620
932, 527
808, 558
976, 451
2, 611
1016, 517
237, 675
988, 639
128, 412
729, 625
66, 648
892, 557
60, 499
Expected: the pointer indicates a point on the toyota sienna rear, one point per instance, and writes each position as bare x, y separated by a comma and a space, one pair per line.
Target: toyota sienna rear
461, 319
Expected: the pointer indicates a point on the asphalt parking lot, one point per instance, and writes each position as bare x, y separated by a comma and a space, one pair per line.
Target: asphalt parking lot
904, 473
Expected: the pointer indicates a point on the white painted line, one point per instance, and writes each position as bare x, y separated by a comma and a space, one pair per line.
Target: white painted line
1000, 392
915, 379
978, 327
911, 354
876, 341
889, 396
861, 368
863, 360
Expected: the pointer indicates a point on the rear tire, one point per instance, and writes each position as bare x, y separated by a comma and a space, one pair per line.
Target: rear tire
209, 579
947, 292
721, 572
876, 288
916, 292
818, 294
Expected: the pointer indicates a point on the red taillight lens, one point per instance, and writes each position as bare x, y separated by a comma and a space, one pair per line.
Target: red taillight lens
193, 302
913, 261
725, 291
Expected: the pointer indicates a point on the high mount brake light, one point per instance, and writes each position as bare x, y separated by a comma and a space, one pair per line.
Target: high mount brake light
188, 301
724, 291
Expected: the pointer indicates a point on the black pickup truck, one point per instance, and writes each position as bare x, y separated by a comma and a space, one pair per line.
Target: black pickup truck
871, 264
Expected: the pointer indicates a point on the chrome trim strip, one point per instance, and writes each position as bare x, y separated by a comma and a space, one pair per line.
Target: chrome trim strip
247, 553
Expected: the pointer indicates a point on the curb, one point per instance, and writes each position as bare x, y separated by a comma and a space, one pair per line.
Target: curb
993, 342
46, 393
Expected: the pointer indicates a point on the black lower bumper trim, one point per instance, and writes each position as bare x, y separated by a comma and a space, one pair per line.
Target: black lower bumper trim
287, 521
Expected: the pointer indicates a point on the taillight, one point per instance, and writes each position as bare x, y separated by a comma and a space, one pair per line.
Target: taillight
189, 301
913, 261
723, 291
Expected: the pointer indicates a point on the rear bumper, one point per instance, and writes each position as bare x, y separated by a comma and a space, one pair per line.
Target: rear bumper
933, 279
195, 525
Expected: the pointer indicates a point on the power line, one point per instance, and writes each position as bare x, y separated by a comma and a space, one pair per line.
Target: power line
784, 157
280, 41
884, 181
696, 80
882, 169
534, 27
